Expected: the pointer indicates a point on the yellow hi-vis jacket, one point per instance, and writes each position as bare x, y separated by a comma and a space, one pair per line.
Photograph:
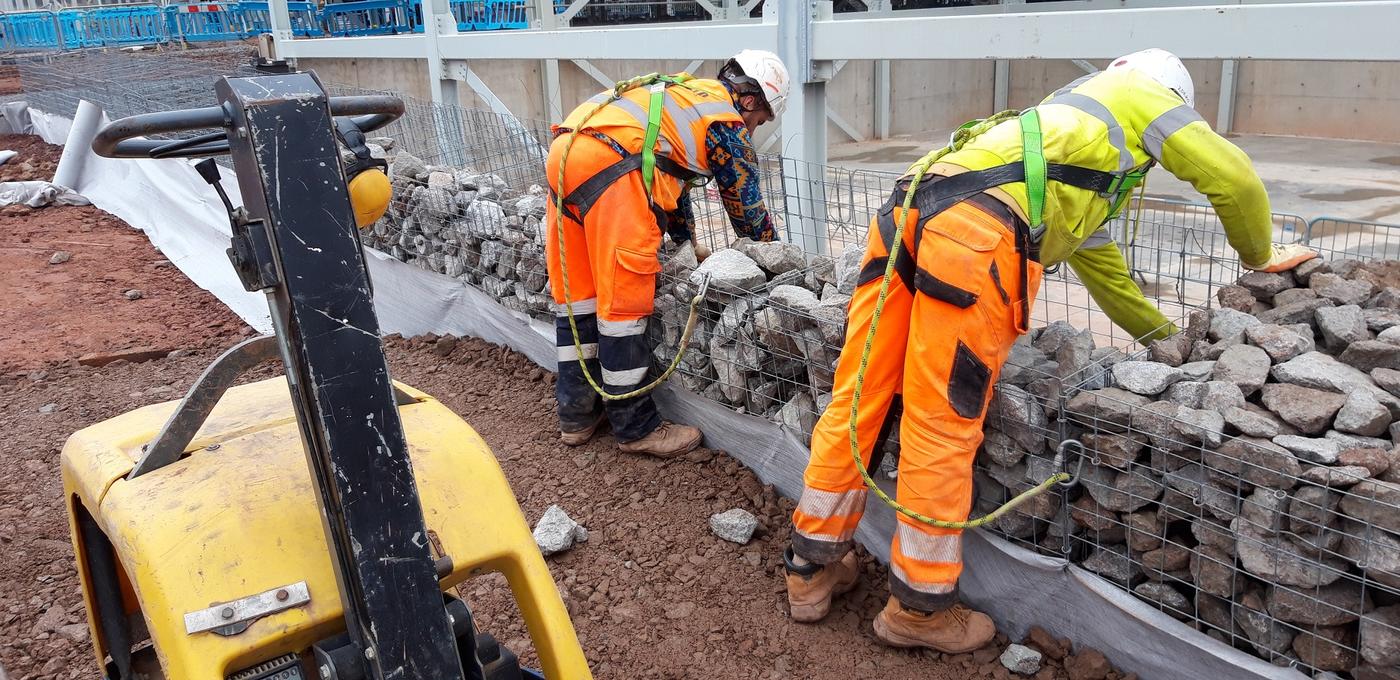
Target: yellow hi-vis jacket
1118, 121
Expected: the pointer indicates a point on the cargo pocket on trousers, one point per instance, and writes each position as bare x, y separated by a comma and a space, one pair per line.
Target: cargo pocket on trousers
968, 382
634, 282
955, 259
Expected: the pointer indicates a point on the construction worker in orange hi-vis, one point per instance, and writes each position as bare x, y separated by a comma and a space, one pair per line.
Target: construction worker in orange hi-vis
628, 157
1009, 195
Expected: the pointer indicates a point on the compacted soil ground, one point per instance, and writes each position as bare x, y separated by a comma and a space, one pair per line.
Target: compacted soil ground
653, 593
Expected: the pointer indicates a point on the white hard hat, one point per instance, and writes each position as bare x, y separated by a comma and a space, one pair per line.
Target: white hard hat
761, 70
1163, 67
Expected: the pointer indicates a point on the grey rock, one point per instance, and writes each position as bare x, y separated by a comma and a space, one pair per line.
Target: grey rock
1375, 551
1199, 426
441, 180
1186, 394
1389, 335
848, 270
1368, 355
1382, 320
1327, 648
1145, 531
736, 525
791, 278
1387, 297
730, 271
796, 304
1074, 356
1293, 295
1021, 660
1380, 636
557, 532
830, 315
1250, 423
1332, 605
1220, 395
821, 273
774, 257
1342, 476
1213, 571
484, 219
1145, 377
1280, 561
1054, 335
1246, 366
1109, 408
1341, 291
1387, 379
1102, 524
1122, 492
1115, 450
1356, 441
1374, 501
1303, 272
1256, 461
1263, 511
1168, 598
1002, 449
1264, 285
1237, 298
1019, 414
1212, 534
1113, 563
1341, 326
1319, 451
1172, 350
1295, 313
798, 414
1198, 371
408, 166
1025, 364
1279, 342
1230, 325
1363, 414
1310, 410
1157, 421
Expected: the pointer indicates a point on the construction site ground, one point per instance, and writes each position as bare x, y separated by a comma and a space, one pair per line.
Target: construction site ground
653, 593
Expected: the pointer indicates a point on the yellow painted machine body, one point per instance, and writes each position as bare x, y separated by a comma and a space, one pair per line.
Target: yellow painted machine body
237, 515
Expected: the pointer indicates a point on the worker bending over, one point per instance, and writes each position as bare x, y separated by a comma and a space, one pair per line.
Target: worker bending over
1011, 198
616, 211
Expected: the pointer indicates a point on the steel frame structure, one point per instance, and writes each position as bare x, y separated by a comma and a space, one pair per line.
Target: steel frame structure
814, 42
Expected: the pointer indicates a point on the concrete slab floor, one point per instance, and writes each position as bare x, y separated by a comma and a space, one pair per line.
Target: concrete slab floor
1308, 177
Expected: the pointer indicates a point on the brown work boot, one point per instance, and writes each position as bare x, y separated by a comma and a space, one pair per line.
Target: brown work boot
666, 441
956, 630
810, 587
581, 437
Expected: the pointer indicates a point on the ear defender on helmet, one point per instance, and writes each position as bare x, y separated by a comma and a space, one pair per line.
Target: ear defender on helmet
366, 176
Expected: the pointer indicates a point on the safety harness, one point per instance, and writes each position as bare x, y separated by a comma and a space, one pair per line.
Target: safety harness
582, 198
937, 196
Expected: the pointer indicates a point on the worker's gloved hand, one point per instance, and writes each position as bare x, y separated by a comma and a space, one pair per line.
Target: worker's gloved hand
1283, 257
702, 251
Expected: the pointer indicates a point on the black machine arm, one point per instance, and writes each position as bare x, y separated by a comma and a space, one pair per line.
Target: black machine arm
120, 138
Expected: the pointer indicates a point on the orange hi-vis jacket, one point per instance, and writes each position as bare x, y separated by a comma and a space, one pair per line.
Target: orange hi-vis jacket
687, 113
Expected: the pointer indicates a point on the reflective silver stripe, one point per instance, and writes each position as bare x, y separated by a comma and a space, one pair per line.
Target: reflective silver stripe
589, 306
684, 119
942, 548
600, 98
1098, 238
1075, 83
626, 378
1166, 125
622, 329
715, 109
1092, 107
636, 111
930, 588
826, 504
570, 353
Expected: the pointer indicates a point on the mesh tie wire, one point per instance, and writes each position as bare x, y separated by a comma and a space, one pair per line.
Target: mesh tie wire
918, 170
648, 161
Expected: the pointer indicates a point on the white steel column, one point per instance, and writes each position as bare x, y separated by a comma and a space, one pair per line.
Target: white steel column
1001, 86
804, 124
1225, 118
553, 106
281, 19
437, 21
883, 104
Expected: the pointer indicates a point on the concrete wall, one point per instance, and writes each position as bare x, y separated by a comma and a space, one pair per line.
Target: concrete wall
1308, 99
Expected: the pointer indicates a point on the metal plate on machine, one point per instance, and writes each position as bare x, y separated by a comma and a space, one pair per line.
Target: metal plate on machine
231, 618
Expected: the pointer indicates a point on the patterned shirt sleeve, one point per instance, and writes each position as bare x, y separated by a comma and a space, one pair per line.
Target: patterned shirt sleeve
680, 223
734, 164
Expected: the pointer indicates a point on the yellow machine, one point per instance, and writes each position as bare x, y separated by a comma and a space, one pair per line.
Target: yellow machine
312, 525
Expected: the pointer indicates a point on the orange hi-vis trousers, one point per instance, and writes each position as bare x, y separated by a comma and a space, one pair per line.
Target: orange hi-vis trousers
611, 244
950, 318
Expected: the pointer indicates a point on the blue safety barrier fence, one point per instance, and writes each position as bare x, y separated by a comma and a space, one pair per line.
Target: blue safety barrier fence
196, 22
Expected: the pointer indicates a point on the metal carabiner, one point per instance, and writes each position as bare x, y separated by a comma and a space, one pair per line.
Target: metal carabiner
1061, 464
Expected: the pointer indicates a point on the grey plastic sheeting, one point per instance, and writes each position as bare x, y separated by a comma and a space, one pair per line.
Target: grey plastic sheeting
1017, 587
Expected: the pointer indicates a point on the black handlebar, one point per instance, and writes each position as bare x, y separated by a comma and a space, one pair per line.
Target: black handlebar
118, 138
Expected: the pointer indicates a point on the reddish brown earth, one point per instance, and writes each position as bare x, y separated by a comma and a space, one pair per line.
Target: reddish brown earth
653, 593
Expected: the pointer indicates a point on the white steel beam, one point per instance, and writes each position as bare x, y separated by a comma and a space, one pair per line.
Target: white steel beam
883, 102
369, 47
1324, 31
572, 11
593, 72
549, 68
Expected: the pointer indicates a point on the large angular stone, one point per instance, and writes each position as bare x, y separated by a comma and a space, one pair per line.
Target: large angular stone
1327, 648
1246, 366
1256, 461
848, 270
1369, 355
1380, 636
1212, 534
1387, 379
1375, 551
1265, 285
730, 271
1341, 291
1122, 491
1074, 357
1213, 571
1156, 420
1333, 605
1312, 509
1264, 511
1114, 564
1310, 410
1304, 272
1341, 326
1198, 371
1333, 477
1115, 450
799, 413
1171, 350
773, 257
1280, 561
1295, 313
1110, 408
1049, 339
1375, 460
1237, 298
1292, 295
1019, 414
1168, 598
1312, 450
1363, 414
1279, 342
1376, 502
1145, 530
1252, 424
1199, 426
1186, 394
1382, 320
1145, 377
1002, 449
1229, 325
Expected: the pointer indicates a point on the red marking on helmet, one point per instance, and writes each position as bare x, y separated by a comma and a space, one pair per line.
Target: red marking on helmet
1120, 62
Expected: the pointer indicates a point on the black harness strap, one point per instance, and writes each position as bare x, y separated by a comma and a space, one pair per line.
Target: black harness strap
582, 198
